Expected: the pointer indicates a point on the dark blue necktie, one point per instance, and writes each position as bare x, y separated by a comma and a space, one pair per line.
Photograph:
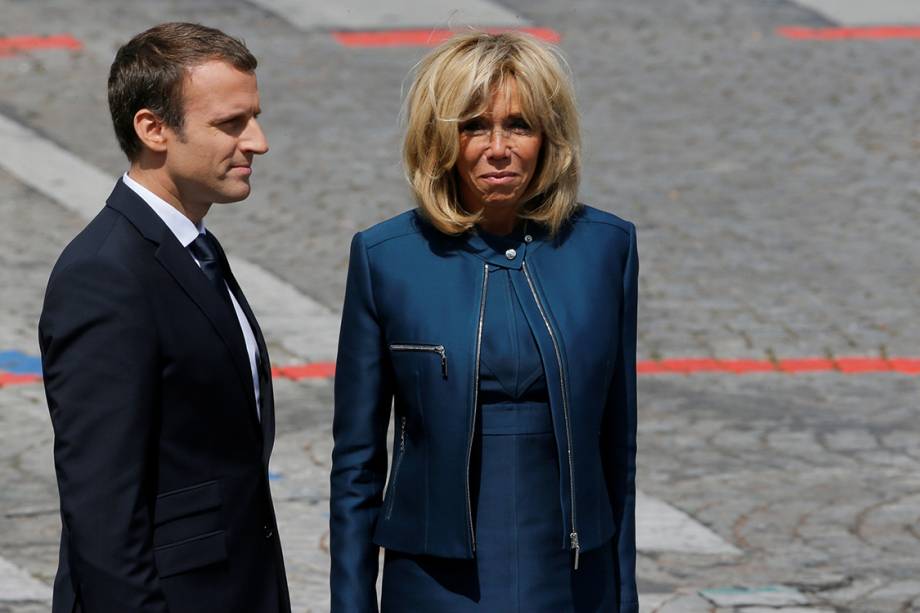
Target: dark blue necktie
205, 250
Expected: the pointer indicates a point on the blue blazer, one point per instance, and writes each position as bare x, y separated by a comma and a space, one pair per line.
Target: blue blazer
410, 339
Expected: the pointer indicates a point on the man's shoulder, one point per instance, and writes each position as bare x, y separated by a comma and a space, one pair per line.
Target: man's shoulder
107, 241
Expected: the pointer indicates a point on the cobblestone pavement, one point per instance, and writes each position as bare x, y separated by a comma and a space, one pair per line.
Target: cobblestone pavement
775, 189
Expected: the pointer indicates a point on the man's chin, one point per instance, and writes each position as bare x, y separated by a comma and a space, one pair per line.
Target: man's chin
240, 192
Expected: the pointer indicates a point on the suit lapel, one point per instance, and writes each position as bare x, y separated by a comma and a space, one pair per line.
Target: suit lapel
182, 267
180, 264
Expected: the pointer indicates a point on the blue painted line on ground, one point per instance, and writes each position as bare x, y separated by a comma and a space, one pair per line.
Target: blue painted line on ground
18, 363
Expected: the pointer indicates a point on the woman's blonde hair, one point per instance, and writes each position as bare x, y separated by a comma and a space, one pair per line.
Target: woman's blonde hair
455, 83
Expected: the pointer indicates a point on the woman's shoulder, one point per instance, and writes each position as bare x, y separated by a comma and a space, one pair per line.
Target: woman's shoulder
587, 214
404, 225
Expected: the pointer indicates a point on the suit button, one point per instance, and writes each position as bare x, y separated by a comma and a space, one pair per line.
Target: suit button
511, 254
528, 239
267, 531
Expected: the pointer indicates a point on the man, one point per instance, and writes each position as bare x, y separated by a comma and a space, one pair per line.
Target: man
156, 373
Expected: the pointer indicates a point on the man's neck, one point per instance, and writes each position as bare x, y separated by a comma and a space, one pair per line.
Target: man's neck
154, 180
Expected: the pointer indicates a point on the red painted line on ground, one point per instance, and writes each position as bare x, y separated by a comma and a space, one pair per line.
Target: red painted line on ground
425, 38
908, 366
857, 365
316, 370
7, 378
15, 44
806, 365
740, 367
848, 365
851, 33
687, 366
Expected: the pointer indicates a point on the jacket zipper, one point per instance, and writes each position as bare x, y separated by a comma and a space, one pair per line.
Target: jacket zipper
573, 536
439, 349
402, 452
469, 449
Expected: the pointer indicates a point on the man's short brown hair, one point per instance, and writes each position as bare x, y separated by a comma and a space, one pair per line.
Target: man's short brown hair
149, 72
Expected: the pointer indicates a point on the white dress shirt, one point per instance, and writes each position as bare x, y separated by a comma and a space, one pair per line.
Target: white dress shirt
186, 232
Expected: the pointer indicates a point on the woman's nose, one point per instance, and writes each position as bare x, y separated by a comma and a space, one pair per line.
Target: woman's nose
498, 142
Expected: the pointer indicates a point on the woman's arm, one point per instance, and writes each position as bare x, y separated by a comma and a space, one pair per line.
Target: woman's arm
619, 438
363, 396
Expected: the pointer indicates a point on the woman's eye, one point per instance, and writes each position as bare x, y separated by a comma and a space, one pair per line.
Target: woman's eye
474, 126
519, 126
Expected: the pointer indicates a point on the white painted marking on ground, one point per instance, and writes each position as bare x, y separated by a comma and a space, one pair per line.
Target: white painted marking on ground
305, 328
867, 12
49, 169
401, 14
661, 527
18, 585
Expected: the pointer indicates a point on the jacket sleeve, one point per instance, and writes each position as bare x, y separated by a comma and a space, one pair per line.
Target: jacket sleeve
363, 397
619, 438
99, 357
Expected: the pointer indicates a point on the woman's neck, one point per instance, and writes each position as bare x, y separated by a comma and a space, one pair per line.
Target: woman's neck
499, 221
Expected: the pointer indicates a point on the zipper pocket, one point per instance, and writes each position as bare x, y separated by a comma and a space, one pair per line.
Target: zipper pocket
439, 349
402, 452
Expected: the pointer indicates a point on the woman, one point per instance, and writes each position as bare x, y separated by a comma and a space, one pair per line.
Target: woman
498, 319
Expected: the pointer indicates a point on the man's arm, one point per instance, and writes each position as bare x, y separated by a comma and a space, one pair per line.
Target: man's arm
99, 357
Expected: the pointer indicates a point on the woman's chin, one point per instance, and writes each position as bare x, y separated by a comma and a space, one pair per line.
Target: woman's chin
501, 199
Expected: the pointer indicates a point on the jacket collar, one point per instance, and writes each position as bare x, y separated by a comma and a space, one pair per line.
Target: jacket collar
494, 250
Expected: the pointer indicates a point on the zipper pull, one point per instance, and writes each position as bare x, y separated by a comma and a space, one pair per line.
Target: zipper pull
440, 349
576, 547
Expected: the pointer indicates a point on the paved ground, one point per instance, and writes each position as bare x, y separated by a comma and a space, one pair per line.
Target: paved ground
775, 189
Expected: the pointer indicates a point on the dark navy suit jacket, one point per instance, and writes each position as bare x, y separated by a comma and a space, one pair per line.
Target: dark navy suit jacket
161, 461
411, 329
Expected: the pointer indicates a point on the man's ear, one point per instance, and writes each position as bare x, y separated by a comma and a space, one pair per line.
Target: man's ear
151, 130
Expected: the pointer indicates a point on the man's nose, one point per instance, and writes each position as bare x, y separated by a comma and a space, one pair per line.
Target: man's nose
253, 138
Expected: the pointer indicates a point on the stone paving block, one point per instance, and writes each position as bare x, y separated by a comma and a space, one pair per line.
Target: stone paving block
769, 595
17, 584
677, 603
785, 610
897, 595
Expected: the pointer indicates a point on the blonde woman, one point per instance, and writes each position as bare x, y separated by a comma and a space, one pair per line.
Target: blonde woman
497, 320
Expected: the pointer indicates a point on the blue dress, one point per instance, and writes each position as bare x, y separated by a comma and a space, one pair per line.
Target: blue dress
522, 560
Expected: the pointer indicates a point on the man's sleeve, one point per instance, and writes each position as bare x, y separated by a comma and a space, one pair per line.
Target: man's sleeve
100, 363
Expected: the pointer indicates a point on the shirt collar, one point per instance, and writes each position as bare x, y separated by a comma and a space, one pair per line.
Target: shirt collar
181, 226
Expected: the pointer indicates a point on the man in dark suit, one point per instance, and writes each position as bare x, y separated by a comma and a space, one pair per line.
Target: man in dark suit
156, 372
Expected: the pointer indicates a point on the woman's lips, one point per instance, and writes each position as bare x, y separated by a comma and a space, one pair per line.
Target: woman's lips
499, 178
